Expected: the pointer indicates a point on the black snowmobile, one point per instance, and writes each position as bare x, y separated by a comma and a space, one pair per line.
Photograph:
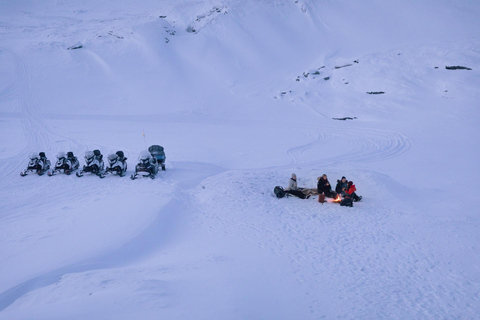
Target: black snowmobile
38, 163
66, 163
117, 164
147, 166
93, 163
158, 153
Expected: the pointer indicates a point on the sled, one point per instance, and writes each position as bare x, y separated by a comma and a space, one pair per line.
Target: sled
158, 153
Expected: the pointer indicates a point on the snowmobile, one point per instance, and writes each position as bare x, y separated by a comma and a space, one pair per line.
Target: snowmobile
93, 163
66, 163
117, 164
158, 153
38, 164
147, 166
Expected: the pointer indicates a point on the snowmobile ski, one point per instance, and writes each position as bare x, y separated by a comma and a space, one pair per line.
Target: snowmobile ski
26, 172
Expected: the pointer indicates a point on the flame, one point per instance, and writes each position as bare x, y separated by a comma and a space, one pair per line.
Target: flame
337, 199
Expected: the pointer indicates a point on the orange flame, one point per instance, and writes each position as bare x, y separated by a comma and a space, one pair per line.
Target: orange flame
337, 199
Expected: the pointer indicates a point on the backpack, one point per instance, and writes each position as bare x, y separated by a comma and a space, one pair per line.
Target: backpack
279, 192
321, 198
347, 202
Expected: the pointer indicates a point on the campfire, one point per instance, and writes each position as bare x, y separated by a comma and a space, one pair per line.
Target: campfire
337, 199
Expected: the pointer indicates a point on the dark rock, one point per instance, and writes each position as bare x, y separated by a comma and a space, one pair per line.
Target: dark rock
457, 68
77, 45
347, 65
376, 92
345, 118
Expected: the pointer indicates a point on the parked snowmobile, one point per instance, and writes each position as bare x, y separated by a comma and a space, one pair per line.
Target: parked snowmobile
93, 163
117, 164
158, 153
147, 166
66, 163
38, 163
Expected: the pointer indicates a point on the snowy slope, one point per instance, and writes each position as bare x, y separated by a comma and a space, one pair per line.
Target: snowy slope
241, 94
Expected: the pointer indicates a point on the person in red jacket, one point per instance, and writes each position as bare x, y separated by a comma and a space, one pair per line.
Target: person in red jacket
350, 192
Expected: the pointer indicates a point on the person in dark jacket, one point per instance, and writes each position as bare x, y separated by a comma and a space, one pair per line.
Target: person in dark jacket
324, 187
341, 186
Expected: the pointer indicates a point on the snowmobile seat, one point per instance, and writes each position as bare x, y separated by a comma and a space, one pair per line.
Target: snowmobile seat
43, 157
121, 156
98, 155
71, 157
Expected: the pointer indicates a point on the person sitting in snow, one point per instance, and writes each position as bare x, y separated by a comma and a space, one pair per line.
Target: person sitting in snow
350, 195
341, 186
293, 188
351, 191
324, 187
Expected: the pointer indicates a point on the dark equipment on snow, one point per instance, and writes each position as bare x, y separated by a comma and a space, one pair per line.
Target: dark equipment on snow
93, 163
147, 166
321, 198
347, 202
38, 164
66, 163
158, 153
117, 164
279, 192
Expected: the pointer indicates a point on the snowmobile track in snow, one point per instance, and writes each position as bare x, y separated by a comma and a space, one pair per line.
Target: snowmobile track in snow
362, 145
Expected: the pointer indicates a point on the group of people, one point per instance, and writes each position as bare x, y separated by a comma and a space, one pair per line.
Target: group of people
344, 189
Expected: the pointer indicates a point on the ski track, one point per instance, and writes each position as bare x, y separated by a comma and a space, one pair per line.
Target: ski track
366, 145
40, 136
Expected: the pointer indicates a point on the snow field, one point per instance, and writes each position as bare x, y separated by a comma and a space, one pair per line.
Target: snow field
215, 83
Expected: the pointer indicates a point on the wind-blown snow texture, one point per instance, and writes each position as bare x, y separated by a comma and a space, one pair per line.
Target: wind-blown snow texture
241, 94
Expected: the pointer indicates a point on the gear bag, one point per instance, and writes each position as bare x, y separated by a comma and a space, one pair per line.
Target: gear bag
347, 202
321, 198
279, 192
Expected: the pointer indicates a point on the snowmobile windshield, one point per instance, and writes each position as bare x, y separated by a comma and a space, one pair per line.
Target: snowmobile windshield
112, 158
155, 149
89, 156
33, 156
61, 155
144, 156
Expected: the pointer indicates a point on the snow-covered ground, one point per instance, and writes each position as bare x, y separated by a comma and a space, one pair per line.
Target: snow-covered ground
241, 94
